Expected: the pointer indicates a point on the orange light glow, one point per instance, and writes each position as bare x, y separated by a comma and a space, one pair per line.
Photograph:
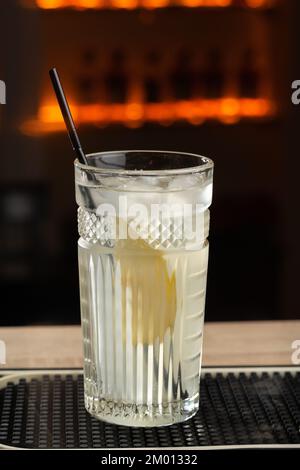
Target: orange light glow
131, 4
230, 110
89, 3
224, 3
204, 3
227, 110
154, 3
80, 4
49, 4
134, 112
257, 3
126, 4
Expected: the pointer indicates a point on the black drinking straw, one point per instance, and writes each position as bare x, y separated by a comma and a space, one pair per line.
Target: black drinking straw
66, 113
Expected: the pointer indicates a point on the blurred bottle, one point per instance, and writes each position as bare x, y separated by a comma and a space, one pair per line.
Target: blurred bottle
87, 84
249, 76
182, 79
152, 85
116, 80
213, 76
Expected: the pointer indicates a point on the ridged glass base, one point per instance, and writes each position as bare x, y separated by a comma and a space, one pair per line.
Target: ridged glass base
129, 414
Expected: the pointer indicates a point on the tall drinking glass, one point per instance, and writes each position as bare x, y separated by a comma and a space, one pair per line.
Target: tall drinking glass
143, 223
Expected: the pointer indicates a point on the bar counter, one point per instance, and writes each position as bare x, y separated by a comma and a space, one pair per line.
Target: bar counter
225, 344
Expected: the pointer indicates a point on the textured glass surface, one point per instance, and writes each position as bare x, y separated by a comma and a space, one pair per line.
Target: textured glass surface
141, 352
143, 298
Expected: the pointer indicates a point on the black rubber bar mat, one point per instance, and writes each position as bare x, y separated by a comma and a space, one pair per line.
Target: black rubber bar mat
236, 408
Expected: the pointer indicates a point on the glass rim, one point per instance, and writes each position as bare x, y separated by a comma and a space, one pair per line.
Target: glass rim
206, 164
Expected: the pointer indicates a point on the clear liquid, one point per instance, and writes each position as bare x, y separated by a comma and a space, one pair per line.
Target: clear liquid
142, 319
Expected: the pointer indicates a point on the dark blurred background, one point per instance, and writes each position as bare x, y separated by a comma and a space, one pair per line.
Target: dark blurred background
205, 76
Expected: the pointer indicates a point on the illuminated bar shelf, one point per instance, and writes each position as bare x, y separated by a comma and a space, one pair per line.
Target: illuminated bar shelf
133, 115
148, 4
